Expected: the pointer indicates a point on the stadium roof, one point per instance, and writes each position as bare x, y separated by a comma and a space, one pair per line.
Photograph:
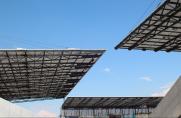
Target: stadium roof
161, 31
27, 75
111, 102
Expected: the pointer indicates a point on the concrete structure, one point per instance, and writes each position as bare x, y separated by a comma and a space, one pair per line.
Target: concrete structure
8, 109
170, 106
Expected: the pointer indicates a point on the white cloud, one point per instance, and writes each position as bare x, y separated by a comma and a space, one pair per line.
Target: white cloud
148, 79
107, 69
163, 90
44, 113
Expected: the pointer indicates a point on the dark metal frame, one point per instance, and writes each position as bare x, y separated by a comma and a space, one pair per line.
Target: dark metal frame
27, 75
105, 106
110, 102
161, 31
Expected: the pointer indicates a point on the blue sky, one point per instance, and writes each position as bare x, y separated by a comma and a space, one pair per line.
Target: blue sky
90, 24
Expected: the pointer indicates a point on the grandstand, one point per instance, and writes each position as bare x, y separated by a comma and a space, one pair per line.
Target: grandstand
109, 107
161, 31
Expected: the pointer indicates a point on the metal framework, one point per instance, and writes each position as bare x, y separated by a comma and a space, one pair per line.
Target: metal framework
106, 106
111, 102
27, 75
161, 31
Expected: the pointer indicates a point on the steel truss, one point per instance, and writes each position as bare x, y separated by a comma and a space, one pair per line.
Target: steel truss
105, 106
27, 75
161, 31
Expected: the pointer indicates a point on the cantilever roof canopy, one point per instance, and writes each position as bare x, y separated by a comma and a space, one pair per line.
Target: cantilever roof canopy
27, 75
161, 31
111, 102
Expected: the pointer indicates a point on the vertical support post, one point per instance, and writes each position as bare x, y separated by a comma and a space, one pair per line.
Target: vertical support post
62, 110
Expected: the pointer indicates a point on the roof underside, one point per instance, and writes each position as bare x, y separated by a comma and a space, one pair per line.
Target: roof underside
161, 31
27, 75
111, 102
